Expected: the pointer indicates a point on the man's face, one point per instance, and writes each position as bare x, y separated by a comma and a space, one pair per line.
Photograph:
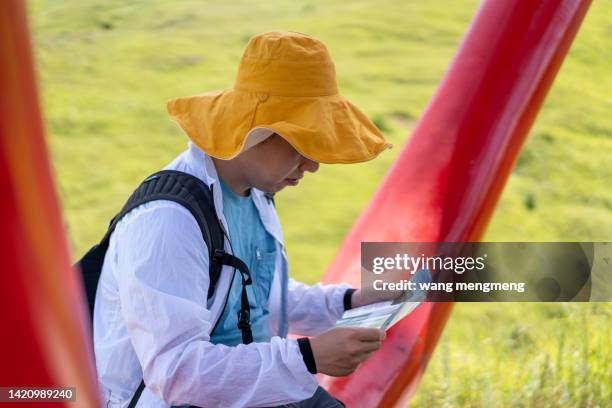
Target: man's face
274, 164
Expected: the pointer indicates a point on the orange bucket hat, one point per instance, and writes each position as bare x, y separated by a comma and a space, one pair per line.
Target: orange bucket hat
286, 84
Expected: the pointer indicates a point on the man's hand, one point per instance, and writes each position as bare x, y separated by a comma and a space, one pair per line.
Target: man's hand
339, 351
362, 297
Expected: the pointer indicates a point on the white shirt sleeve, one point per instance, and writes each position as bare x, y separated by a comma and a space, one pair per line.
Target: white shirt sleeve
314, 309
162, 272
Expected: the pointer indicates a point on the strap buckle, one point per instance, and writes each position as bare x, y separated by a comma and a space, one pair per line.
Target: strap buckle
244, 319
218, 255
247, 280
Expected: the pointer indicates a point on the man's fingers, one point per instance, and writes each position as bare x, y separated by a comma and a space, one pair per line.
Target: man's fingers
363, 357
365, 334
366, 347
370, 346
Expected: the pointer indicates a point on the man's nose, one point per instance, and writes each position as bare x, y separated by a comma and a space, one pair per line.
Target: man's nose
309, 165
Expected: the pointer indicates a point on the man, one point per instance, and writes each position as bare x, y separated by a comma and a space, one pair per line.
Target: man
152, 319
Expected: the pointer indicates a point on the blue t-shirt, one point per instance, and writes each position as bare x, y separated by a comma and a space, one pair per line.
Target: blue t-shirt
257, 249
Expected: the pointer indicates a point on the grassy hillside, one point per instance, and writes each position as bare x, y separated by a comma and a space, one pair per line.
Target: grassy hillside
106, 69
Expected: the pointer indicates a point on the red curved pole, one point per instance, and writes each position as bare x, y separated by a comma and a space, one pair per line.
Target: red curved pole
44, 341
446, 182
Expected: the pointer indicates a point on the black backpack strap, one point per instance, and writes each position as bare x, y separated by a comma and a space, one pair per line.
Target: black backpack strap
182, 188
244, 314
193, 194
137, 394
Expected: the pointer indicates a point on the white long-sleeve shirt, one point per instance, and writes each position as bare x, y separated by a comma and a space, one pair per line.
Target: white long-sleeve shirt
152, 319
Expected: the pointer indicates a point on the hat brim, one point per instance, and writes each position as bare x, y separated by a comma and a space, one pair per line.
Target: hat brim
326, 129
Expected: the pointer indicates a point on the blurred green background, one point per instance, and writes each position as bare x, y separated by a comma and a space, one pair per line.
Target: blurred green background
106, 69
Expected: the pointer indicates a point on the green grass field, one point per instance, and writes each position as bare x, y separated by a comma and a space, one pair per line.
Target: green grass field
106, 69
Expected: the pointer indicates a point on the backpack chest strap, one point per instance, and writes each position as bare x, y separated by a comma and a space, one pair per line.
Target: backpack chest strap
220, 258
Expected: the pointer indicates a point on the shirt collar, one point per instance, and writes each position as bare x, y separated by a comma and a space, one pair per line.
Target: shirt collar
208, 173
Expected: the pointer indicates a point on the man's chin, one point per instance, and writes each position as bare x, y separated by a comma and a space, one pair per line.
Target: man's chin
275, 188
282, 185
272, 189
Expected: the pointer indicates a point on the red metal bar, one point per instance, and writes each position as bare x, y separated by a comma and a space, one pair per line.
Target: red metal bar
446, 182
45, 341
